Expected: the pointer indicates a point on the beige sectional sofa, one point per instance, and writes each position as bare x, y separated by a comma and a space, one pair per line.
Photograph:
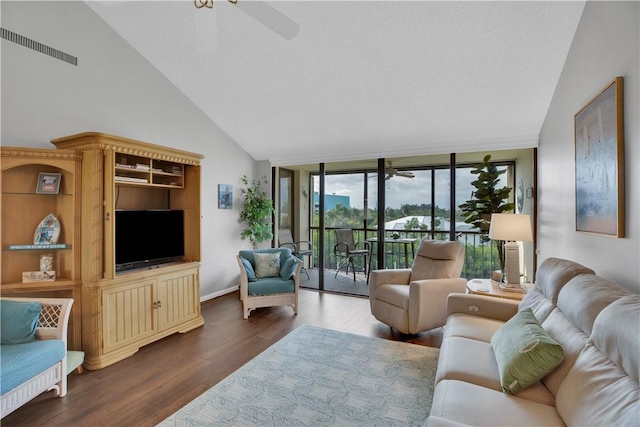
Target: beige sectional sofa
596, 322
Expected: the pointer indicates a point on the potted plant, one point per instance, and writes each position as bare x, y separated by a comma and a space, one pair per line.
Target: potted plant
487, 199
257, 211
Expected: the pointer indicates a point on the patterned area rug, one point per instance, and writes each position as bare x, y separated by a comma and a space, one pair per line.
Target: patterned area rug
320, 377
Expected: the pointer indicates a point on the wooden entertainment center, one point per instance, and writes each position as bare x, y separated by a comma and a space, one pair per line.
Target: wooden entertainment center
120, 311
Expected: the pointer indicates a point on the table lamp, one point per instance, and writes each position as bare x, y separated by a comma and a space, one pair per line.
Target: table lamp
511, 228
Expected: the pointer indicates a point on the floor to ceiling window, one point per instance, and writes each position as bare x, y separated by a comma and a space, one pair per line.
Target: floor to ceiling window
417, 204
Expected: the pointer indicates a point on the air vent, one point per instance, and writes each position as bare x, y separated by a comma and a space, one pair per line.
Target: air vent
37, 46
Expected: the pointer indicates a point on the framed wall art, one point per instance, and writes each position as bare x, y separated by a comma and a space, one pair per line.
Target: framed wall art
225, 196
48, 183
599, 151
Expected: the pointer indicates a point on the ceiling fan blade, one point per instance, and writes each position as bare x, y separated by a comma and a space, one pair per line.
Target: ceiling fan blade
206, 29
269, 17
405, 175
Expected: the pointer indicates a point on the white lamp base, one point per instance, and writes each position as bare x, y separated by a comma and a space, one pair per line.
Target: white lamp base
512, 263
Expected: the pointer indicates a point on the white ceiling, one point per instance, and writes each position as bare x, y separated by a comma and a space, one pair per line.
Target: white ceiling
362, 79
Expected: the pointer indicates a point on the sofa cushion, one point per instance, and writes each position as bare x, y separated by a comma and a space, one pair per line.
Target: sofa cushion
605, 374
21, 362
621, 345
583, 298
525, 353
270, 286
474, 405
267, 264
470, 326
18, 321
474, 362
251, 274
597, 392
571, 338
470, 361
551, 276
554, 273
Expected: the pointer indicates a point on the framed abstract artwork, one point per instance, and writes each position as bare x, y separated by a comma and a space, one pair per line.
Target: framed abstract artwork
599, 152
225, 196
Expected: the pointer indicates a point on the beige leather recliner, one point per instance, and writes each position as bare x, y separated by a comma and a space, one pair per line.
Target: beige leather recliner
415, 300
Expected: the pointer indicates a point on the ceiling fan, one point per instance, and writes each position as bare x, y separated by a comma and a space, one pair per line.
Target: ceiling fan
391, 172
206, 24
261, 12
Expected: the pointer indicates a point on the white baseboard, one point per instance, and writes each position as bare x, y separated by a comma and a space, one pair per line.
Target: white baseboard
204, 298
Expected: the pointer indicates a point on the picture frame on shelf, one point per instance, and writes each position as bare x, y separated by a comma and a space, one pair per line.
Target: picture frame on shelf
599, 167
48, 183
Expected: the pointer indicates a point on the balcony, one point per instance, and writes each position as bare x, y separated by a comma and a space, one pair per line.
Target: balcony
481, 257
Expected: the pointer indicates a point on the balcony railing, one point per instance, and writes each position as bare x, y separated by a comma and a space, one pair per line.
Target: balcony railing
481, 257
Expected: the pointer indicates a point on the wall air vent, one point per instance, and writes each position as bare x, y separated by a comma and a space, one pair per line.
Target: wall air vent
37, 46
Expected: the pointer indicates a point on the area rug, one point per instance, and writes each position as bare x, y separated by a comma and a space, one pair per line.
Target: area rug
319, 377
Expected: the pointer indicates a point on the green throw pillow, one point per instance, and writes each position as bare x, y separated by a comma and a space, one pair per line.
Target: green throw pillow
524, 351
251, 275
267, 264
18, 321
288, 268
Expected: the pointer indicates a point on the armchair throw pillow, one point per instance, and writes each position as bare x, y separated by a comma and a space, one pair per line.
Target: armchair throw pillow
288, 268
267, 264
525, 353
18, 321
251, 274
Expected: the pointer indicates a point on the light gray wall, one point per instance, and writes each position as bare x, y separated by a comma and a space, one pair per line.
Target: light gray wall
606, 45
115, 90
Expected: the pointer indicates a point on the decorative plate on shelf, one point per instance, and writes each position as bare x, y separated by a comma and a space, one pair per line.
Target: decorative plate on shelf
48, 231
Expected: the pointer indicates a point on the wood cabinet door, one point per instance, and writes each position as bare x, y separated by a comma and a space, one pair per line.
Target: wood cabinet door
178, 298
128, 314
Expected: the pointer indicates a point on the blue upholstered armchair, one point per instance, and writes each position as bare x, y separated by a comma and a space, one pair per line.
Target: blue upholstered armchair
268, 277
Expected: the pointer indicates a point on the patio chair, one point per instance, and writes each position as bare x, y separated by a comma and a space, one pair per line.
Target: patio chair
413, 300
347, 248
285, 239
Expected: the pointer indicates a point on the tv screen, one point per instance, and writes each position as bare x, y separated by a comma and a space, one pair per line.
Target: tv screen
148, 237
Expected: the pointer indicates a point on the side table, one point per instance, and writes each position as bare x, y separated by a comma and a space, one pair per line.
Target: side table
489, 288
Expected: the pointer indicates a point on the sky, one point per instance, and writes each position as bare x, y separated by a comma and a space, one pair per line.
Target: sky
400, 190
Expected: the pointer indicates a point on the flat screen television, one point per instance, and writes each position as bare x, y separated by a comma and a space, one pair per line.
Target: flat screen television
148, 237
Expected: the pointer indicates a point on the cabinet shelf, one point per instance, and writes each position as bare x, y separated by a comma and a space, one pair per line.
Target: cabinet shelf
25, 193
152, 173
167, 174
29, 247
61, 283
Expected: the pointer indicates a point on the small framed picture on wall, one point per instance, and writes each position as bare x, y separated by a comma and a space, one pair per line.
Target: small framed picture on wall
225, 196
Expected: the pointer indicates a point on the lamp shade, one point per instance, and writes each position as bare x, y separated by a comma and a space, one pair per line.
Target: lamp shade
510, 227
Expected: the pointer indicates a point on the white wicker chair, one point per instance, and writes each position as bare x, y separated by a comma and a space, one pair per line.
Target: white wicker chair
52, 325
252, 300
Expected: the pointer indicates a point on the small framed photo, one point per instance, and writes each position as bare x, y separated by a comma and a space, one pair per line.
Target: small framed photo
48, 183
225, 196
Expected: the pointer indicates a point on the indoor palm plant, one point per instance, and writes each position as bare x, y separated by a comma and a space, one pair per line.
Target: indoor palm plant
257, 211
487, 199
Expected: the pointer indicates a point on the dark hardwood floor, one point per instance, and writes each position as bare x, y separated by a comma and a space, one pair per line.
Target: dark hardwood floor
164, 376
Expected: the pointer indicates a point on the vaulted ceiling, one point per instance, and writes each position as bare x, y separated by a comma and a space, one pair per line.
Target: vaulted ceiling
361, 79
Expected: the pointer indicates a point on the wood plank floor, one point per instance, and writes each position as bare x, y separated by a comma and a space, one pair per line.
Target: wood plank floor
164, 376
